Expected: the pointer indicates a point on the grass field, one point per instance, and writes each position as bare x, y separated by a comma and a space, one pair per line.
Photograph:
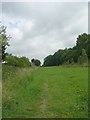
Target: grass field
50, 92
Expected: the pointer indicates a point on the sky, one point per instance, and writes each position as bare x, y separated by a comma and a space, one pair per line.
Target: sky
38, 29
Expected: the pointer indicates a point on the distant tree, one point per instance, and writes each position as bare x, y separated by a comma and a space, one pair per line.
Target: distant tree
17, 61
72, 61
36, 62
49, 61
80, 60
57, 60
3, 42
32, 60
12, 60
66, 62
24, 62
81, 43
77, 54
83, 57
88, 47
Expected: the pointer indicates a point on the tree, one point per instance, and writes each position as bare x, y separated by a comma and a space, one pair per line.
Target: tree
32, 60
17, 61
81, 43
49, 61
24, 62
77, 54
88, 47
36, 62
72, 61
83, 57
80, 60
3, 42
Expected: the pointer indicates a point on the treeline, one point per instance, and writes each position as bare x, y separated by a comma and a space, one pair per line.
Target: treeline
17, 61
79, 54
21, 61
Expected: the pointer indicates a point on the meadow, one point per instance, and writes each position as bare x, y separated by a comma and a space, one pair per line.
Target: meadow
45, 92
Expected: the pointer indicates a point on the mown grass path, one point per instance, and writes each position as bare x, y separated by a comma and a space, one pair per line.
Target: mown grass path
51, 92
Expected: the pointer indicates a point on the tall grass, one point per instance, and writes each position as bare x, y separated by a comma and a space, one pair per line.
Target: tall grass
50, 92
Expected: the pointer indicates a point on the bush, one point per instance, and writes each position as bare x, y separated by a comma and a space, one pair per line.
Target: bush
36, 62
17, 61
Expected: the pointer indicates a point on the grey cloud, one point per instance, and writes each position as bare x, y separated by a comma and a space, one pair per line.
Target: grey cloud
55, 26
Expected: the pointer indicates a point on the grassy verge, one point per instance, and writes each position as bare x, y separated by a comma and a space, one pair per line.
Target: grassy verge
51, 92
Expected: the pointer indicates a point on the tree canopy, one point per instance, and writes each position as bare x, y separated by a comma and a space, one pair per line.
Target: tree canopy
36, 62
17, 61
71, 55
4, 38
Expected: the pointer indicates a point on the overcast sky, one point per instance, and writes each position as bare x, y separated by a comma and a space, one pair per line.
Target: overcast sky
39, 29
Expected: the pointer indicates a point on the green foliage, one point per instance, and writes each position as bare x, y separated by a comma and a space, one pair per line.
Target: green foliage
80, 60
24, 62
17, 61
3, 42
82, 43
48, 61
72, 61
36, 62
83, 57
88, 47
78, 54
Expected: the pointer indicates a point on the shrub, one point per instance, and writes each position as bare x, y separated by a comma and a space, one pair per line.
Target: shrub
17, 61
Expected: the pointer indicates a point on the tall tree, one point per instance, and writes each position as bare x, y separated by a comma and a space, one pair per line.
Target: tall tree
81, 43
83, 57
3, 42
